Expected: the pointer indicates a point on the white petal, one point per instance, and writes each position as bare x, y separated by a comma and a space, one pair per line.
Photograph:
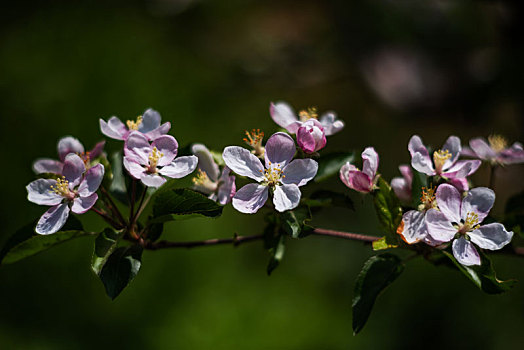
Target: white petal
206, 163
449, 201
370, 162
40, 192
414, 229
286, 197
299, 172
331, 124
243, 162
465, 252
53, 219
250, 198
439, 227
283, 114
479, 200
83, 204
180, 167
491, 236
152, 180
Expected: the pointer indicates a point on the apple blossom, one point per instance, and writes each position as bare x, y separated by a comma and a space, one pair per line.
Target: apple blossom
402, 185
361, 181
495, 151
310, 136
148, 124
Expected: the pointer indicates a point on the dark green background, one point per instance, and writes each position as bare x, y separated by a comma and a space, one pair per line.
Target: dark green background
211, 68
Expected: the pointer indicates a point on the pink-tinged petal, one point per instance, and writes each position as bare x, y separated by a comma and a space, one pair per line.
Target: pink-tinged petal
152, 180
250, 198
360, 182
439, 226
227, 187
68, 145
468, 152
481, 149
45, 165
478, 200
414, 226
243, 162
83, 204
280, 149
491, 236
137, 148
150, 121
97, 150
415, 145
73, 169
432, 241
462, 168
91, 181
113, 128
512, 155
401, 188
284, 116
406, 172
460, 184
40, 192
305, 140
133, 168
180, 167
330, 123
53, 219
449, 201
423, 164
168, 146
311, 137
370, 162
161, 130
206, 163
465, 252
286, 197
299, 172
454, 147
344, 173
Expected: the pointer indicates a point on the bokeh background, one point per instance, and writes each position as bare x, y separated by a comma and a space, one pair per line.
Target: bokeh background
390, 69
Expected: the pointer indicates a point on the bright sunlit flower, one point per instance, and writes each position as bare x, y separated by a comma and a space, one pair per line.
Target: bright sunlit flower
362, 181
459, 219
75, 191
496, 150
148, 124
149, 163
281, 174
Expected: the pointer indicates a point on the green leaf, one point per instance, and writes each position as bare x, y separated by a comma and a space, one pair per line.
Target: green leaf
174, 204
378, 272
419, 180
217, 157
388, 210
277, 254
105, 244
26, 242
326, 198
294, 221
483, 276
120, 269
330, 164
118, 185
381, 244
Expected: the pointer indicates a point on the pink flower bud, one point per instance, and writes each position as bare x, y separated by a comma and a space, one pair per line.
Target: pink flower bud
311, 136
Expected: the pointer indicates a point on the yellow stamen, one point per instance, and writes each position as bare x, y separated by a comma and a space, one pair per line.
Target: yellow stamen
428, 198
200, 178
471, 223
310, 113
439, 158
133, 125
154, 157
254, 139
62, 187
497, 142
273, 175
86, 157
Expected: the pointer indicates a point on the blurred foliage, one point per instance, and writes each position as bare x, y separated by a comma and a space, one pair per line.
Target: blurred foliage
388, 68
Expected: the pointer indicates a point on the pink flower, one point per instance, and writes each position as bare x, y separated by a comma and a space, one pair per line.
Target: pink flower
495, 151
361, 181
148, 124
149, 163
67, 145
75, 191
402, 185
282, 175
445, 161
219, 186
311, 136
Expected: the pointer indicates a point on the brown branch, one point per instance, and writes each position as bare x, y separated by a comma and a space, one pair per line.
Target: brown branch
236, 240
345, 235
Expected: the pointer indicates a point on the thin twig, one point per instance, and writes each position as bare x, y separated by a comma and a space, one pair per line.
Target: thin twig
108, 219
345, 235
236, 240
112, 205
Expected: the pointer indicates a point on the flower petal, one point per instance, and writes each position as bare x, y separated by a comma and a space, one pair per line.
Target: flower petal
460, 184
360, 182
40, 192
250, 198
299, 172
91, 181
420, 160
161, 130
439, 226
68, 145
465, 252
344, 173
152, 180
449, 201
370, 162
97, 150
53, 219
73, 169
280, 149
331, 124
305, 140
137, 148
401, 188
206, 163
283, 115
462, 168
83, 204
286, 197
45, 165
512, 155
478, 200
243, 162
133, 168
168, 146
491, 236
227, 187
113, 128
150, 121
180, 167
406, 172
482, 149
414, 229
454, 147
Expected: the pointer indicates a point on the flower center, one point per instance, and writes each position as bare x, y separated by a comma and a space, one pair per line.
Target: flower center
133, 125
202, 181
440, 157
154, 157
273, 175
62, 188
497, 142
310, 113
254, 139
471, 223
86, 157
428, 198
